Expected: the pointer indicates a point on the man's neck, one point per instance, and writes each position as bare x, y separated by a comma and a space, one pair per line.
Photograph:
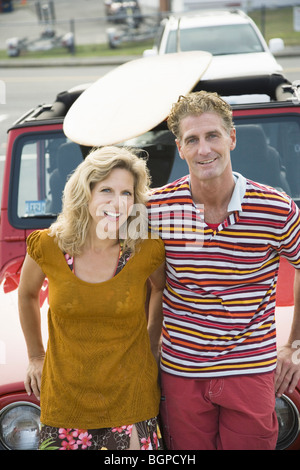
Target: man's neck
214, 195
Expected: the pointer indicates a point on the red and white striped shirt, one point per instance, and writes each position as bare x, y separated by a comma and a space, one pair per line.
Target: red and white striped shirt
219, 300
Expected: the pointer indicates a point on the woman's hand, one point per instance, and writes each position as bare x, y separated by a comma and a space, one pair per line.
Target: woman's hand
33, 377
31, 281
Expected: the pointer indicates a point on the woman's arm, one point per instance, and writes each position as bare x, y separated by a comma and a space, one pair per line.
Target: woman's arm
31, 281
155, 315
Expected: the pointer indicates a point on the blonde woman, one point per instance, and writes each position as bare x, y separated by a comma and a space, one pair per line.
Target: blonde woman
97, 382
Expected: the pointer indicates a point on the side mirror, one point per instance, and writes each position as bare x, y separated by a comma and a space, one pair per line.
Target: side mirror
150, 52
276, 45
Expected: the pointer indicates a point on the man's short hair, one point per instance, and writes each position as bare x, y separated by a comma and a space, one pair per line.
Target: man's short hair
195, 104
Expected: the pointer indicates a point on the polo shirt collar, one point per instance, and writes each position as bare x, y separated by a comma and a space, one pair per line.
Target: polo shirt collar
238, 194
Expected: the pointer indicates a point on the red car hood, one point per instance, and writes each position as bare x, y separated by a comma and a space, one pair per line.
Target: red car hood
13, 353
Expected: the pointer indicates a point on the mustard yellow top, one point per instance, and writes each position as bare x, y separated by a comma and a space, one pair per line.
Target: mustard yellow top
99, 370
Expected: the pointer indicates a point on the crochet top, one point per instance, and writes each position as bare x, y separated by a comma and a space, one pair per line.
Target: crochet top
99, 370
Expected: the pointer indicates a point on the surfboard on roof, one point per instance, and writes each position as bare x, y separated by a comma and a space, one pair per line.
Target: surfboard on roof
133, 98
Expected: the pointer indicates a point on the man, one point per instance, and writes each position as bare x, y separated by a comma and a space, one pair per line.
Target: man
218, 358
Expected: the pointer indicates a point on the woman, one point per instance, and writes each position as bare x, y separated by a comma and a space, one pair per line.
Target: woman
97, 382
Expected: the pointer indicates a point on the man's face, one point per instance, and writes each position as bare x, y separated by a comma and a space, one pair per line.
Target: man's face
205, 145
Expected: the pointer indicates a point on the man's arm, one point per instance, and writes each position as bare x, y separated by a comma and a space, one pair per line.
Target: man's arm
288, 367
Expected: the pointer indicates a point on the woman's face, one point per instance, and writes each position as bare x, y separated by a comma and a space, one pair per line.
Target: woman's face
111, 202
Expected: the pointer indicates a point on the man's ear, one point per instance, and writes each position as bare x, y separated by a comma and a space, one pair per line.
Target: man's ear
233, 138
177, 141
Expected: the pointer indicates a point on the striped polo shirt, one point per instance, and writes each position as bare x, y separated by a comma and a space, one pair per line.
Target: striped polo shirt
219, 299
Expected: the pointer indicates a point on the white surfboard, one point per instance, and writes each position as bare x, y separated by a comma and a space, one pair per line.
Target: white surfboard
133, 98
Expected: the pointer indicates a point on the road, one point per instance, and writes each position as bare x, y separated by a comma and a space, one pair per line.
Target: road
29, 87
291, 67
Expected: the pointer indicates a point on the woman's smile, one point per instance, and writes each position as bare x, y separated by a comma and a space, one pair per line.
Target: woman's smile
111, 202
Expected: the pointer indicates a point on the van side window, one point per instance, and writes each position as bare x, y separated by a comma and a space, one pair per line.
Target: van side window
41, 166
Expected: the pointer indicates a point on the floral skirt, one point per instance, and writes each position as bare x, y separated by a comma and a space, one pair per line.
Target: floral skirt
118, 438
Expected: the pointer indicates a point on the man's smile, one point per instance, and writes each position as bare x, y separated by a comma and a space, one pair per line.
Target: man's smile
205, 162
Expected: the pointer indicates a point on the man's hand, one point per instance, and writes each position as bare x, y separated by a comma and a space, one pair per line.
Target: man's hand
287, 372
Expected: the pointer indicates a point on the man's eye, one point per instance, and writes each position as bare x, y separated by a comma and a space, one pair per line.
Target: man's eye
192, 140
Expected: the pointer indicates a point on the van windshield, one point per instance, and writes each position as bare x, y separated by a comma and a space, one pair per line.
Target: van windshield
218, 40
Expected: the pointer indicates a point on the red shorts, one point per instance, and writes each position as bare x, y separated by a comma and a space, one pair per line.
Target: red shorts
228, 413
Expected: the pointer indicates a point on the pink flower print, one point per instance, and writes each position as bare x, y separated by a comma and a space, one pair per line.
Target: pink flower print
119, 429
69, 259
69, 445
146, 444
65, 434
76, 432
155, 439
129, 429
84, 440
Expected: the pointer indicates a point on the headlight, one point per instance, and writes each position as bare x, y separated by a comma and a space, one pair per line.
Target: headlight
20, 426
288, 421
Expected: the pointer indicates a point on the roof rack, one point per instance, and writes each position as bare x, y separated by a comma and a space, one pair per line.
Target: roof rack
293, 89
272, 85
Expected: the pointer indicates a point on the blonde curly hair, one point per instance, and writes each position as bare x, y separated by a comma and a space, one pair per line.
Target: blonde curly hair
196, 104
72, 225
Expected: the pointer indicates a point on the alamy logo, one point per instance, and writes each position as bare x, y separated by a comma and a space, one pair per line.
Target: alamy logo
296, 354
180, 222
